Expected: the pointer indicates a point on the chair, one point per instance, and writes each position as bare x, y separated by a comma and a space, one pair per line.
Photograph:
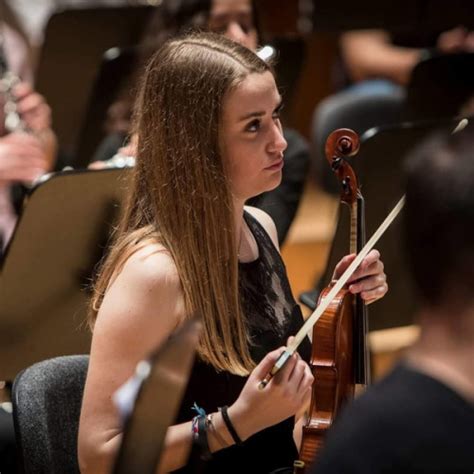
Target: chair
47, 399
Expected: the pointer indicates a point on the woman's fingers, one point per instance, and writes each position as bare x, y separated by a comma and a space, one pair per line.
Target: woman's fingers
342, 265
370, 289
368, 283
284, 373
375, 294
375, 268
306, 382
297, 373
369, 279
267, 363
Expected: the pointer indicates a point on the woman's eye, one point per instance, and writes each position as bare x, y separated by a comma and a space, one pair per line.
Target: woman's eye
253, 126
277, 113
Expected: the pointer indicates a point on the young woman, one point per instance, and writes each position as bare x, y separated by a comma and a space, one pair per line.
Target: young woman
209, 138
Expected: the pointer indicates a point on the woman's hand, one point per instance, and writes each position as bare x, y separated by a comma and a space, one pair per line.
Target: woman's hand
369, 279
257, 409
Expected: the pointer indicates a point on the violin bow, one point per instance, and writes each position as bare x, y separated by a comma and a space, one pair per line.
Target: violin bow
311, 321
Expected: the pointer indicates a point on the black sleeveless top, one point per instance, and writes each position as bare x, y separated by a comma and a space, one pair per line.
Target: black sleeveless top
273, 316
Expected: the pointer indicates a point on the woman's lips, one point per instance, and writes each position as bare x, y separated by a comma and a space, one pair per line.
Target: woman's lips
276, 166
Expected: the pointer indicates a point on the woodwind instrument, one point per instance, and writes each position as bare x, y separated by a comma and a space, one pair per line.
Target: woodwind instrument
8, 80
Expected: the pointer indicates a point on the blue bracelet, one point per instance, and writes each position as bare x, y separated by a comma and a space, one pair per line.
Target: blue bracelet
199, 431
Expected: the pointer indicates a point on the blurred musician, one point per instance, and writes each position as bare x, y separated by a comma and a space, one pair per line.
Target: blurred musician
27, 142
377, 55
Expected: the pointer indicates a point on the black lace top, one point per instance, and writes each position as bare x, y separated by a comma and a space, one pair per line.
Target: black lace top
273, 316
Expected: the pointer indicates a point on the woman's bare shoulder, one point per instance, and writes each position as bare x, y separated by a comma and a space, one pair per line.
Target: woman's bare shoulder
150, 267
266, 222
146, 293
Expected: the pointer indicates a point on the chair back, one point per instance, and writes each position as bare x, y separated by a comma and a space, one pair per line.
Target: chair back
47, 399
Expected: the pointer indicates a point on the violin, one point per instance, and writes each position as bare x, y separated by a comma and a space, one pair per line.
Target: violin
340, 357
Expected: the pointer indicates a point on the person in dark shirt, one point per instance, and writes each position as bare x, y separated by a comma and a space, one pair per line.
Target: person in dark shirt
420, 418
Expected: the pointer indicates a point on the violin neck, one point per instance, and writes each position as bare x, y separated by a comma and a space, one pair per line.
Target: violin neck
357, 237
361, 322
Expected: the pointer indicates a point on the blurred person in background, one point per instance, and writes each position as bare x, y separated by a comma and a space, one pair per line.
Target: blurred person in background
27, 142
378, 61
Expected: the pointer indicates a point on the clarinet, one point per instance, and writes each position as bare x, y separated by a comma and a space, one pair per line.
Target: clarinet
8, 80
12, 122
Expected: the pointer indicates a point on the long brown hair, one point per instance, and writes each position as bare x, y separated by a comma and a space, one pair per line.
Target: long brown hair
180, 193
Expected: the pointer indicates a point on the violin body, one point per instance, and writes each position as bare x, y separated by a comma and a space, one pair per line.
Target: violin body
332, 367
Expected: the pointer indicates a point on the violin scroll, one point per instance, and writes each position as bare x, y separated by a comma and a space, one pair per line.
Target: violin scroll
340, 145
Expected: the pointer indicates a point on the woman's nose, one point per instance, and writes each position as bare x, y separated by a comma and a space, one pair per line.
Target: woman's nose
278, 143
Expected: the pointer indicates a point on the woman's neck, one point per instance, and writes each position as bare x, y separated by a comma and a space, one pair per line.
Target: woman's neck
238, 221
247, 249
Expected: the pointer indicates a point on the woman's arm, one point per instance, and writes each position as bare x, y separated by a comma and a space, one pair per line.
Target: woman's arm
140, 309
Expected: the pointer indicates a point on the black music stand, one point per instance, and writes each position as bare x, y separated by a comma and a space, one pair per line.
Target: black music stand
163, 380
47, 268
114, 71
378, 166
440, 86
74, 43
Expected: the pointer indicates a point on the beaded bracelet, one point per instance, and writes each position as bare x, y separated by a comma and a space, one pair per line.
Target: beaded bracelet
229, 425
199, 431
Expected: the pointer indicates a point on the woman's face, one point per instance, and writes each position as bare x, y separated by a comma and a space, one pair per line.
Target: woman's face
234, 19
251, 138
